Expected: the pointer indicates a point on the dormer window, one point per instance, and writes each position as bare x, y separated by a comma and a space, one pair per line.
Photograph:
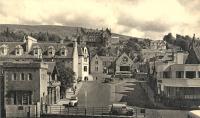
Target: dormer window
3, 49
63, 51
37, 51
18, 50
51, 51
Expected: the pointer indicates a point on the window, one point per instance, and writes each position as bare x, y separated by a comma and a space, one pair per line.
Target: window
30, 76
104, 70
190, 74
17, 52
63, 53
21, 97
22, 76
36, 52
3, 49
51, 51
96, 62
124, 68
179, 74
14, 76
199, 74
85, 59
85, 68
96, 68
166, 74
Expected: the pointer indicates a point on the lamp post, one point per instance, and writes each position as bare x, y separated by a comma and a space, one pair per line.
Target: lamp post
85, 98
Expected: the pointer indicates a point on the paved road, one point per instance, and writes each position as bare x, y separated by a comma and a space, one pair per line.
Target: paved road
96, 93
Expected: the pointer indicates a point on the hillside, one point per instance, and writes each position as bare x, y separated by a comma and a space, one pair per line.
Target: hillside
62, 31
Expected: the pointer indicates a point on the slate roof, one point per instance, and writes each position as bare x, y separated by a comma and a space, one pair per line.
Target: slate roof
107, 58
12, 46
44, 47
197, 51
57, 46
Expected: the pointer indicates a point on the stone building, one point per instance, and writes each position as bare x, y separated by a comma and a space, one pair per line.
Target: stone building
158, 45
31, 50
84, 62
101, 65
94, 37
124, 66
28, 86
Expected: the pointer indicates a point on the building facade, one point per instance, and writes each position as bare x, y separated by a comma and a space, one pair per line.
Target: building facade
102, 65
158, 45
27, 88
123, 66
31, 50
178, 84
94, 38
83, 61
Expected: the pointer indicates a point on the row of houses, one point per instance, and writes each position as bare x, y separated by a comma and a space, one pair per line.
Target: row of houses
30, 77
176, 80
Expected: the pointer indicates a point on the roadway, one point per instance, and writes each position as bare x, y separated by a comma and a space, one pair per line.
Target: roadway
100, 94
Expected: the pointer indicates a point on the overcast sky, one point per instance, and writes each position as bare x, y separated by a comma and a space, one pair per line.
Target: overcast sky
139, 18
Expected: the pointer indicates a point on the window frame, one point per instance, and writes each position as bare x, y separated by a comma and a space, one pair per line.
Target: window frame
22, 76
85, 68
14, 76
29, 77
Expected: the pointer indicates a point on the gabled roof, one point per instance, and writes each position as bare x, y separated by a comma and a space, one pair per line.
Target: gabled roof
194, 53
124, 54
51, 67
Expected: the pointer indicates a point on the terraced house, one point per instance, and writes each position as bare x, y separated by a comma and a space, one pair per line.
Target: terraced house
32, 50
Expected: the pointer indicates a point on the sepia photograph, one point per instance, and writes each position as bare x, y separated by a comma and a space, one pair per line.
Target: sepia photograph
99, 59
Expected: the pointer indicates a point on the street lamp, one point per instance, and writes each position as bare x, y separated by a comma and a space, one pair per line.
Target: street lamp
85, 98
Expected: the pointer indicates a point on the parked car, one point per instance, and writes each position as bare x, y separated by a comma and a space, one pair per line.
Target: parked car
107, 80
73, 101
121, 109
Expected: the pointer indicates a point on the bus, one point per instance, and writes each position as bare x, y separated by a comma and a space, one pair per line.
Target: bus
194, 114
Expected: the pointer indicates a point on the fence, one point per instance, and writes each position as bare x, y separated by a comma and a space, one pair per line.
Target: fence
88, 111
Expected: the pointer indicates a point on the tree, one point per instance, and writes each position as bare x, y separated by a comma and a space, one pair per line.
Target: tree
66, 77
169, 38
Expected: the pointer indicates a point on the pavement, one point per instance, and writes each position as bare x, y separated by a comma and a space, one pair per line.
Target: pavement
70, 94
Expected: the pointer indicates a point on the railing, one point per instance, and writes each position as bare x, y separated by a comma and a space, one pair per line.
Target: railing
54, 83
88, 111
81, 110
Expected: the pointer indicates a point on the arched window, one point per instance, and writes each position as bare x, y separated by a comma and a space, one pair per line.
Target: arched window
3, 49
18, 50
51, 51
85, 50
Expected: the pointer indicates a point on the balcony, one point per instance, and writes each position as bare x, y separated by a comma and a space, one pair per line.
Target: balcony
179, 82
54, 83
